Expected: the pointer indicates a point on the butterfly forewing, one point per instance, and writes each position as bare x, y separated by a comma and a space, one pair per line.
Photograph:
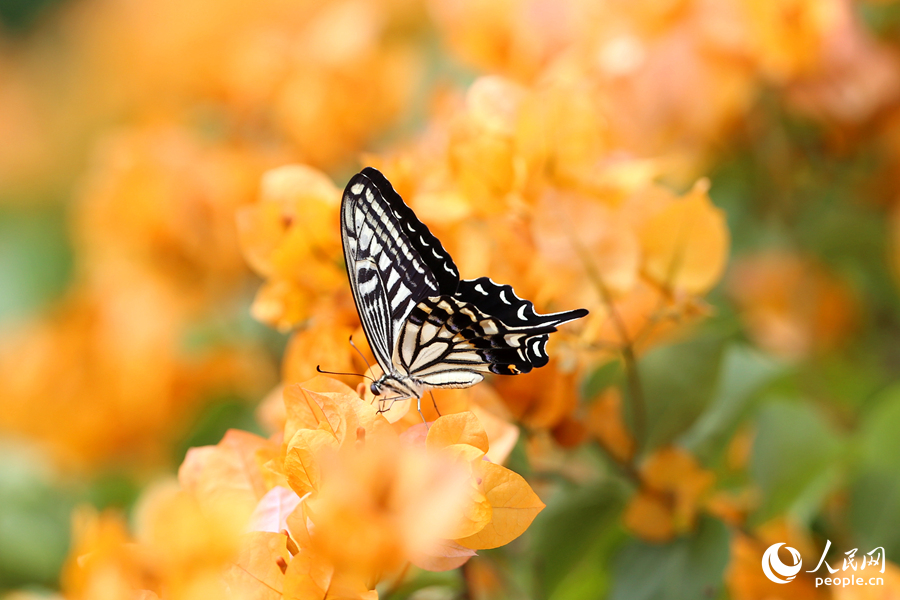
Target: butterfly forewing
421, 241
386, 258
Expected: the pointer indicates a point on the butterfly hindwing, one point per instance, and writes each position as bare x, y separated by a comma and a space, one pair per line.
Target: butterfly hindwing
445, 336
517, 315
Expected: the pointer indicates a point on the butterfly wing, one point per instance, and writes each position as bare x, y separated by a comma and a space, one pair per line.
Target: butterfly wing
393, 261
449, 341
518, 315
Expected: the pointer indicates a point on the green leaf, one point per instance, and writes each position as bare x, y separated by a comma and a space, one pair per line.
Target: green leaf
570, 537
678, 382
795, 452
744, 373
601, 378
35, 260
874, 497
690, 567
34, 519
879, 439
19, 15
218, 417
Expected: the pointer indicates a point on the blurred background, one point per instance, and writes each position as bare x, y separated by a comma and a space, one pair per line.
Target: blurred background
753, 356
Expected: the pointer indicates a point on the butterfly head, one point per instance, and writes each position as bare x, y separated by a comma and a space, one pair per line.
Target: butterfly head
397, 386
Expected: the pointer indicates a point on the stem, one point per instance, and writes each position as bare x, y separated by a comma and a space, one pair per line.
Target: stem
398, 582
636, 392
635, 389
466, 590
626, 466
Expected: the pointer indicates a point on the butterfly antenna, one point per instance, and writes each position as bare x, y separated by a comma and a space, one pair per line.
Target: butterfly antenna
361, 355
319, 369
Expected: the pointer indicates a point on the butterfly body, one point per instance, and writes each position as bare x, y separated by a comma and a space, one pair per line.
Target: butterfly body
425, 326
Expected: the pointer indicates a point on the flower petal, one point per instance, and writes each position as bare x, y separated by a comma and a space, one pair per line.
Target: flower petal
514, 504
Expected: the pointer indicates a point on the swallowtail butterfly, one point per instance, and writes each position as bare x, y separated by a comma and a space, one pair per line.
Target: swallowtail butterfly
425, 326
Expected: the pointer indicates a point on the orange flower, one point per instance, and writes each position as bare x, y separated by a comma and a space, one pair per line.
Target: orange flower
605, 422
856, 76
362, 503
542, 398
364, 482
79, 379
685, 241
673, 485
291, 238
179, 551
787, 35
791, 305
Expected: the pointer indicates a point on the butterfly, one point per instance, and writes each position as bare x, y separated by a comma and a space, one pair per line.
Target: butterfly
426, 327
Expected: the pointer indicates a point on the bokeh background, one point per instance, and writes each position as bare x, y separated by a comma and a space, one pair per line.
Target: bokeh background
716, 180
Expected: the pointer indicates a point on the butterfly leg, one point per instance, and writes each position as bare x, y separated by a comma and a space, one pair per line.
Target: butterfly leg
434, 402
419, 408
384, 401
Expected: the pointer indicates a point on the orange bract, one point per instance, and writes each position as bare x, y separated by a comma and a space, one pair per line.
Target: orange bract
605, 421
673, 485
362, 502
792, 306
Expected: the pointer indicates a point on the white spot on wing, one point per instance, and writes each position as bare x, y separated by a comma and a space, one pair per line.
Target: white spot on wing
428, 354
392, 279
503, 297
369, 196
429, 331
384, 261
367, 287
422, 239
408, 349
402, 294
357, 189
480, 289
460, 378
365, 236
513, 339
521, 313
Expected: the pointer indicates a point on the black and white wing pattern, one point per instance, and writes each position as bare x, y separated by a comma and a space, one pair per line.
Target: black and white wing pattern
389, 272
449, 341
425, 326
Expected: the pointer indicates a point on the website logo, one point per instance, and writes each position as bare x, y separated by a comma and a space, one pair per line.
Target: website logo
775, 570
854, 567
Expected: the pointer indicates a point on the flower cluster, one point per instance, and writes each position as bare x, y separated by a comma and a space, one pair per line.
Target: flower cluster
332, 505
177, 112
201, 147
518, 183
675, 77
